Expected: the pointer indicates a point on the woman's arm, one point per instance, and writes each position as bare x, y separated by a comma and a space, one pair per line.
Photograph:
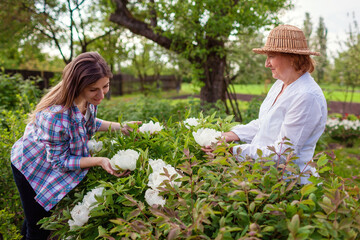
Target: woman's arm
106, 124
117, 126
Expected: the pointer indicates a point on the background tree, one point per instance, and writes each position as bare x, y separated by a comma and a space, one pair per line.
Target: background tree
347, 63
68, 25
321, 46
308, 28
198, 30
18, 47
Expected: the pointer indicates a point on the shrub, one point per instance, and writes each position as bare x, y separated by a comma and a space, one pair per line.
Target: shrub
344, 129
17, 98
217, 197
15, 92
145, 108
7, 228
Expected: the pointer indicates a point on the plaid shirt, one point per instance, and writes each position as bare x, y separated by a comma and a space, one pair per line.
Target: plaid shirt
49, 152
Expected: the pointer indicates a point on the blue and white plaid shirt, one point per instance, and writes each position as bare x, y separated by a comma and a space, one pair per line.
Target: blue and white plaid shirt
49, 152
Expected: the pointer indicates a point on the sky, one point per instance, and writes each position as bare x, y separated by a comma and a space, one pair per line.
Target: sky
337, 17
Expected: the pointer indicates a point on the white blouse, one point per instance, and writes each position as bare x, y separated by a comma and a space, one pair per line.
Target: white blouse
299, 114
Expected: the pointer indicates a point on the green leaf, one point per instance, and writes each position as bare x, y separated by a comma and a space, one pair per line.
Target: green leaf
308, 202
252, 207
294, 225
268, 229
324, 169
322, 161
269, 163
307, 189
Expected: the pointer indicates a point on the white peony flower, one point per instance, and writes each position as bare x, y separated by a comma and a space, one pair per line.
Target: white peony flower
80, 215
151, 127
157, 165
152, 197
157, 177
125, 160
89, 199
94, 146
191, 122
206, 136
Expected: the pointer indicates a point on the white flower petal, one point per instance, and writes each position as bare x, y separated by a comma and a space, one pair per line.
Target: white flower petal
125, 160
151, 127
191, 122
80, 214
152, 197
206, 136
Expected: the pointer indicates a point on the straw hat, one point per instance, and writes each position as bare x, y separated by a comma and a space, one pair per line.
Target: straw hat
286, 39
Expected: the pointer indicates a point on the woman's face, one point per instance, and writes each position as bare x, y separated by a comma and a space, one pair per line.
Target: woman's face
280, 66
96, 92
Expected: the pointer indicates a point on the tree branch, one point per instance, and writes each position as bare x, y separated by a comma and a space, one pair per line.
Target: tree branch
124, 18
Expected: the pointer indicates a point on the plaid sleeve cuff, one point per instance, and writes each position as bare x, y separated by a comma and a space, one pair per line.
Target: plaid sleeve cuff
98, 123
73, 163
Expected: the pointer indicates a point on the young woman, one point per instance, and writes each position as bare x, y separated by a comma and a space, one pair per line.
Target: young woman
52, 156
295, 106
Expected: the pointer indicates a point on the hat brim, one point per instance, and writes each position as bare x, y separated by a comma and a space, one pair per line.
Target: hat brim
300, 52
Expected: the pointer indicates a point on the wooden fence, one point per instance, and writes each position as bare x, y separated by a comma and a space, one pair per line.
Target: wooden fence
120, 83
124, 84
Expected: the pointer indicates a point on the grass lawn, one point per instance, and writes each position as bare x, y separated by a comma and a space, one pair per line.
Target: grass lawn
331, 92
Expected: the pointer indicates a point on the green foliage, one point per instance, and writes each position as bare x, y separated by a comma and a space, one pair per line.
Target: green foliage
146, 108
219, 197
345, 130
321, 46
16, 93
347, 67
17, 98
252, 112
7, 228
12, 127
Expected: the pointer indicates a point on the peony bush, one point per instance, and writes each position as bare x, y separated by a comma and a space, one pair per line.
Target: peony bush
343, 129
176, 191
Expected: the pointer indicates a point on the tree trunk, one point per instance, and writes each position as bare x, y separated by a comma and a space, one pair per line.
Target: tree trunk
215, 86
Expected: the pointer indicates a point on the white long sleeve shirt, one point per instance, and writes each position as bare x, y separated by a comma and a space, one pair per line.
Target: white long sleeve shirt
299, 114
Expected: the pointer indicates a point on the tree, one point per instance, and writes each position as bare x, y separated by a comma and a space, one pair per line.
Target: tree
308, 28
198, 31
321, 46
69, 25
347, 64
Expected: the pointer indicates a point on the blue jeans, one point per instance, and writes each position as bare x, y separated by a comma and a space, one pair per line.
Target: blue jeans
32, 209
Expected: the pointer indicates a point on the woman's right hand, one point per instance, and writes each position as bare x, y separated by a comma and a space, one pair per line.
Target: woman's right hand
230, 136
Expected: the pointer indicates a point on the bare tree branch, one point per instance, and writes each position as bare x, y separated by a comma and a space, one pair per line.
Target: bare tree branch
71, 30
123, 17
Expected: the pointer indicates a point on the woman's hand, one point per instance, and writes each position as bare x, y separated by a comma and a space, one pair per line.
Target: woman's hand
225, 137
126, 129
230, 136
105, 164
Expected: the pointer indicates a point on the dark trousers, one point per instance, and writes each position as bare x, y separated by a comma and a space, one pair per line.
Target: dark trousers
33, 210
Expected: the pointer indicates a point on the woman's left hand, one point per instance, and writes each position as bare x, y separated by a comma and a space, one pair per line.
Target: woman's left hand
105, 164
126, 128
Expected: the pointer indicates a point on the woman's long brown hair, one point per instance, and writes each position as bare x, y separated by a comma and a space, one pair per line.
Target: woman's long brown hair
84, 70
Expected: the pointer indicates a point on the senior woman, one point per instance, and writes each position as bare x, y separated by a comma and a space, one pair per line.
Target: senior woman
295, 106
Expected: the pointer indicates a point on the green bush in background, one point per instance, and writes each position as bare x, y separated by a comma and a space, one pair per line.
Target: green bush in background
17, 99
145, 108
